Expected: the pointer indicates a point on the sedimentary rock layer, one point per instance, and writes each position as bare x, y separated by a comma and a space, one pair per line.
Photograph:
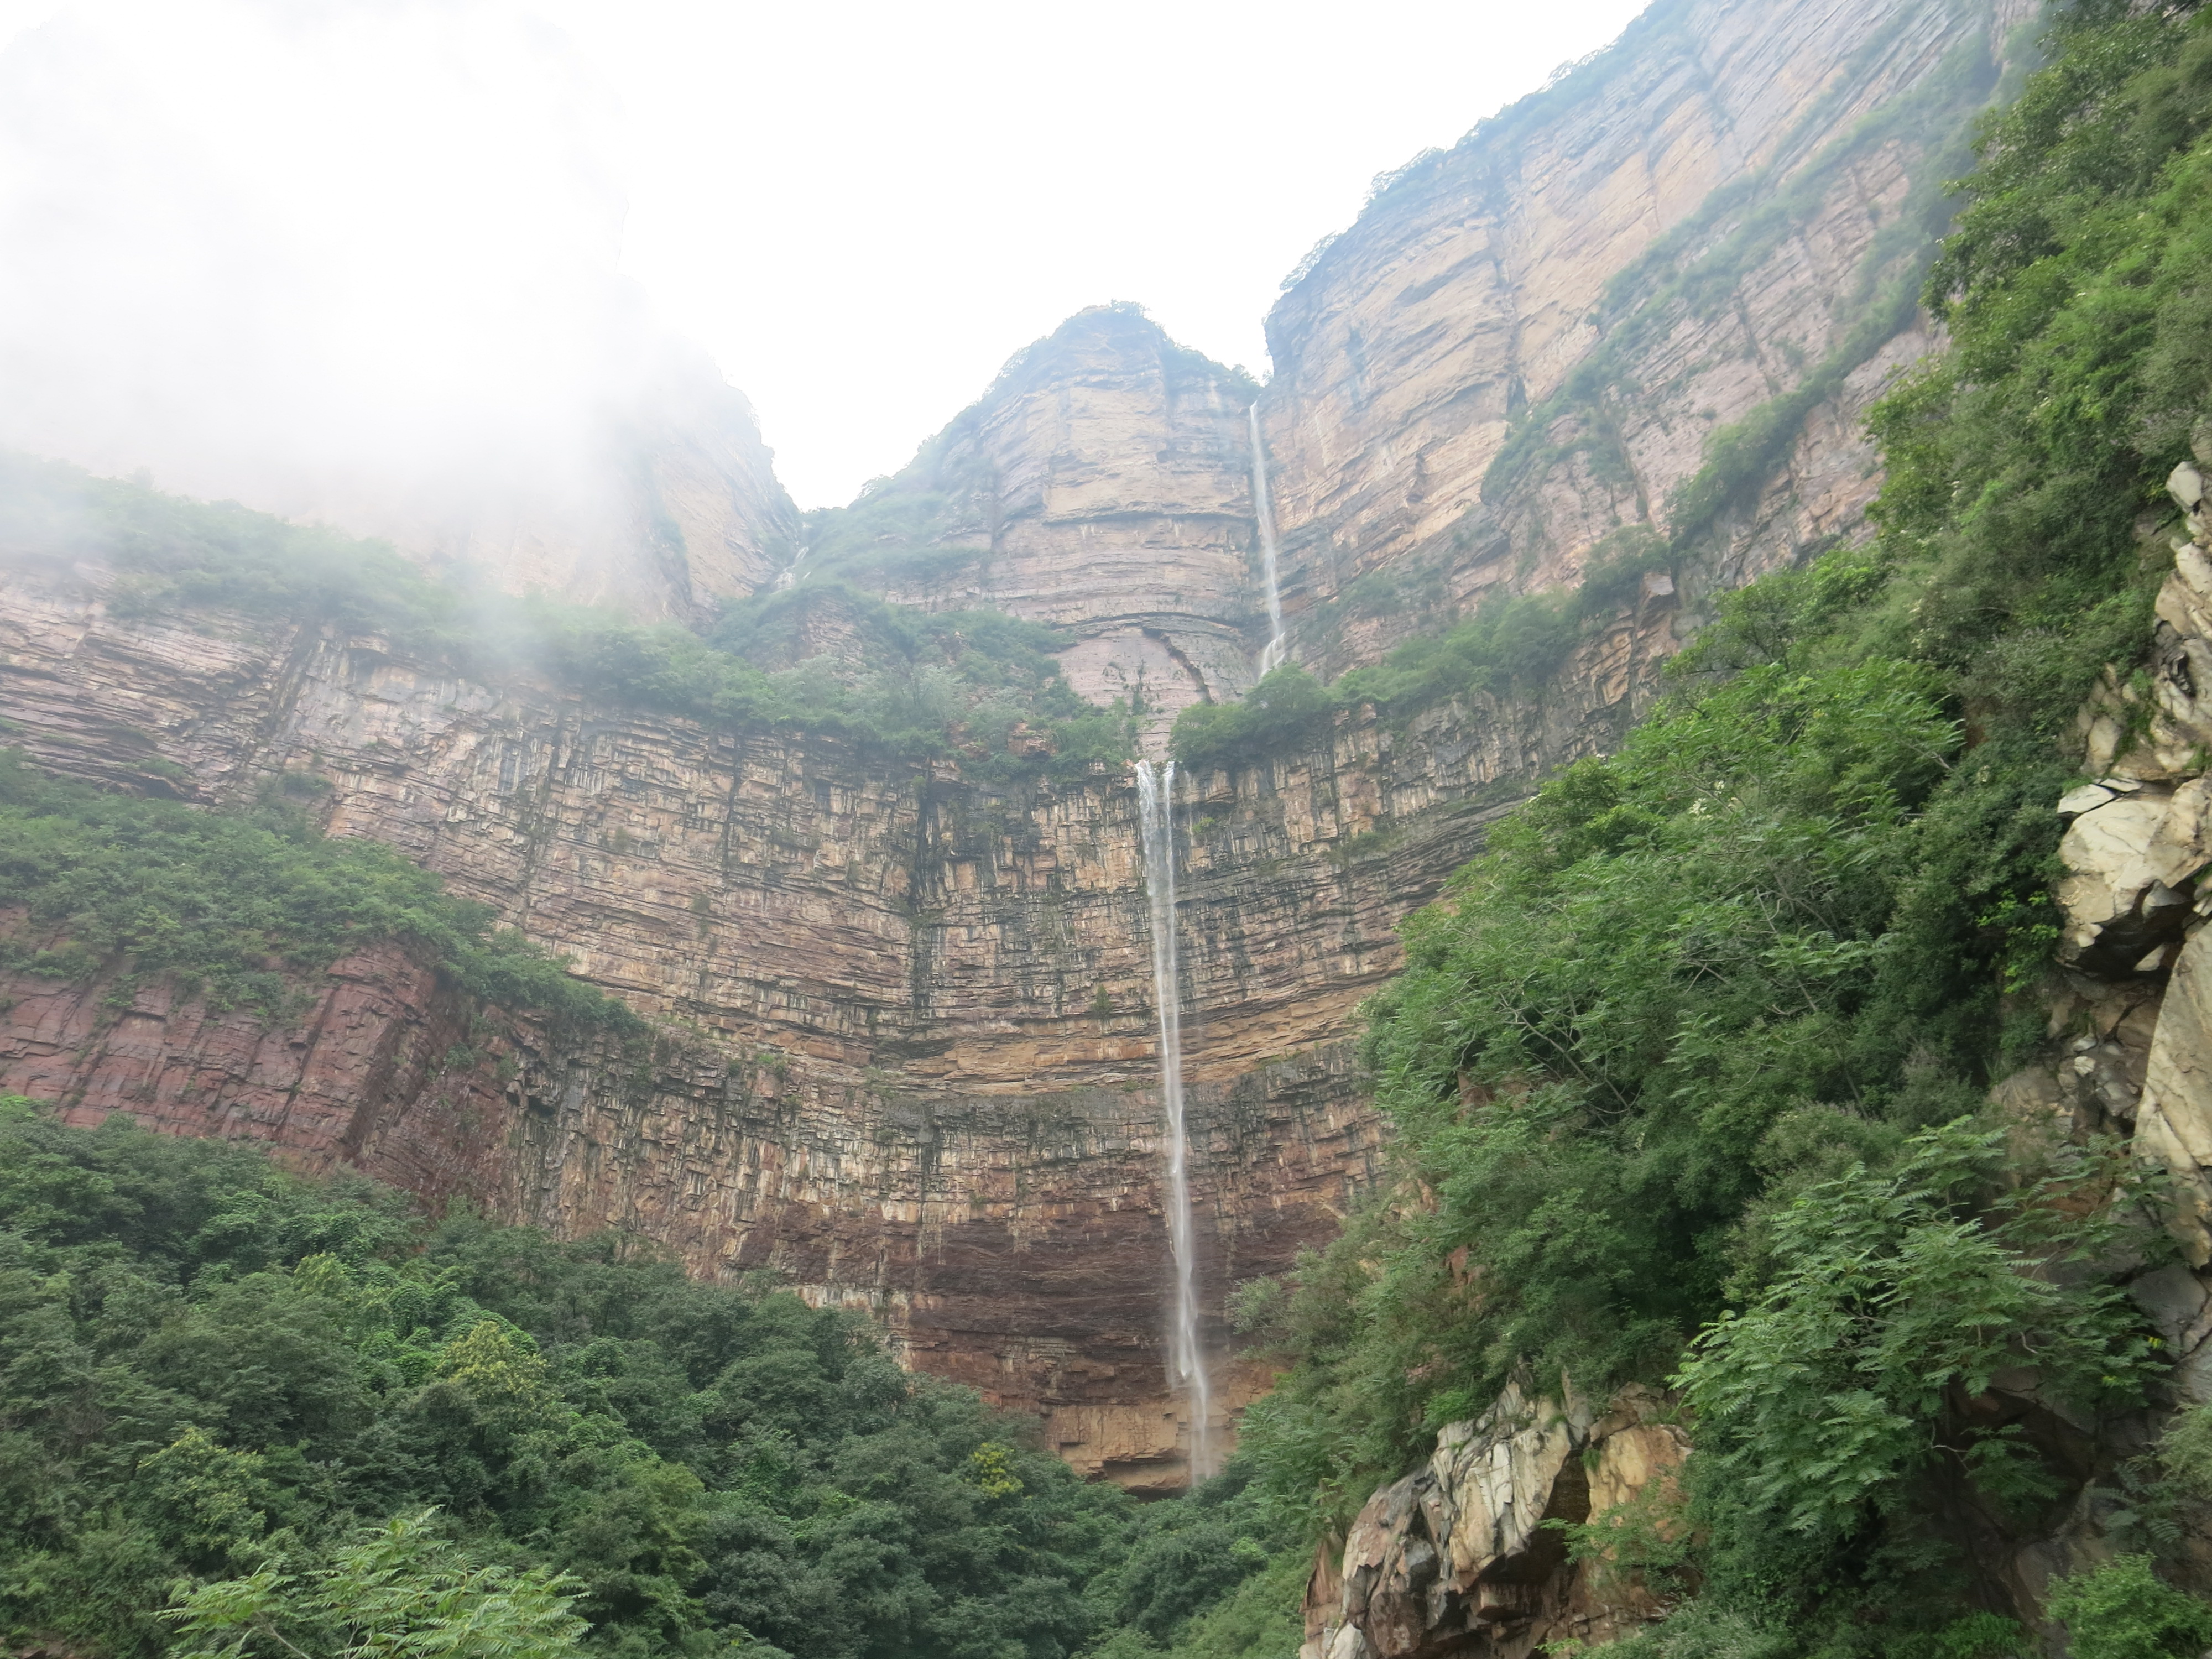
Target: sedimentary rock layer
1103, 484
906, 1053
1528, 344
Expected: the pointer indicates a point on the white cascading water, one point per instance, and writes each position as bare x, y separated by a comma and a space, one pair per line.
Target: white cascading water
1263, 514
1154, 800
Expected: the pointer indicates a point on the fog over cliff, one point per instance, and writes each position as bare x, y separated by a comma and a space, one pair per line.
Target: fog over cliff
356, 263
301, 251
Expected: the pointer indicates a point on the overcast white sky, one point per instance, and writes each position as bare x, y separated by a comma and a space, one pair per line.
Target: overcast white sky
860, 210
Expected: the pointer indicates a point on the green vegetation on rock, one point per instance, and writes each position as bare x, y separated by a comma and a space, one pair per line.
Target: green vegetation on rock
1513, 646
952, 685
239, 905
1689, 1070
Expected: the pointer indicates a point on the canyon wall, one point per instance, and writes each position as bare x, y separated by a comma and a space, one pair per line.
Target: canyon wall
1644, 309
1699, 254
903, 1039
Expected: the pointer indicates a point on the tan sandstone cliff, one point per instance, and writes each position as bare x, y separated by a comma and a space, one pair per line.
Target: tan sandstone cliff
1532, 341
1103, 484
1703, 246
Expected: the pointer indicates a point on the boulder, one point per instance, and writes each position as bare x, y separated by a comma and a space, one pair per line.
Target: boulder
2130, 861
2173, 1119
1457, 1557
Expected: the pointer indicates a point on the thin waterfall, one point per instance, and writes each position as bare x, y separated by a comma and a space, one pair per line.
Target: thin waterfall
1263, 514
1156, 804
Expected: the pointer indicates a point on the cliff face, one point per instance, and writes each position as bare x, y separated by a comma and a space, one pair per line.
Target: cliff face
908, 1055
1534, 341
905, 1051
1654, 299
1464, 1555
1103, 484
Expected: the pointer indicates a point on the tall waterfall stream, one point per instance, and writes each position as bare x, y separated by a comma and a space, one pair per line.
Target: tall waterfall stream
1263, 514
1156, 804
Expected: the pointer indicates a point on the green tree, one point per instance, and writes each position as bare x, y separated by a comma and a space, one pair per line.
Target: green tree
401, 1591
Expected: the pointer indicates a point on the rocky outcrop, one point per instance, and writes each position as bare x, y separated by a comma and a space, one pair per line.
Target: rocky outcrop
1531, 343
2137, 844
2130, 1015
1467, 1554
1102, 483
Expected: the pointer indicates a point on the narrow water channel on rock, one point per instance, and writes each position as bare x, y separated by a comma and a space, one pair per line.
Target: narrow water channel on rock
1263, 514
1156, 803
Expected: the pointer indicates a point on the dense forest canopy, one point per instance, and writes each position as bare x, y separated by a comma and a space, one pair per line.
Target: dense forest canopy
318, 1421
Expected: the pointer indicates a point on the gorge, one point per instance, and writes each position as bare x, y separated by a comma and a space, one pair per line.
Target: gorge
949, 972
997, 884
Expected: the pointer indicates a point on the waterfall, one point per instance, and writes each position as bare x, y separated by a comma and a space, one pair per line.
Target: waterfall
1156, 799
1263, 514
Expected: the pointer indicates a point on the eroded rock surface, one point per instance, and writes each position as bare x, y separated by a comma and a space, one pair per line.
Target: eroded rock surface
1500, 369
1457, 1557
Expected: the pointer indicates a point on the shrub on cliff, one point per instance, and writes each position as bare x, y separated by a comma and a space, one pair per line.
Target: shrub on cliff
239, 905
1288, 710
1513, 646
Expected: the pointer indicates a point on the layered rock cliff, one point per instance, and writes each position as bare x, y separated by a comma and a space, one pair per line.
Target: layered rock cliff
1103, 484
905, 1039
1702, 246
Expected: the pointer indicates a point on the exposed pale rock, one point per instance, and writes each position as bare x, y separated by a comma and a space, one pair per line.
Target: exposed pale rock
2086, 799
1457, 1557
1476, 285
2128, 862
2173, 1121
1496, 1476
